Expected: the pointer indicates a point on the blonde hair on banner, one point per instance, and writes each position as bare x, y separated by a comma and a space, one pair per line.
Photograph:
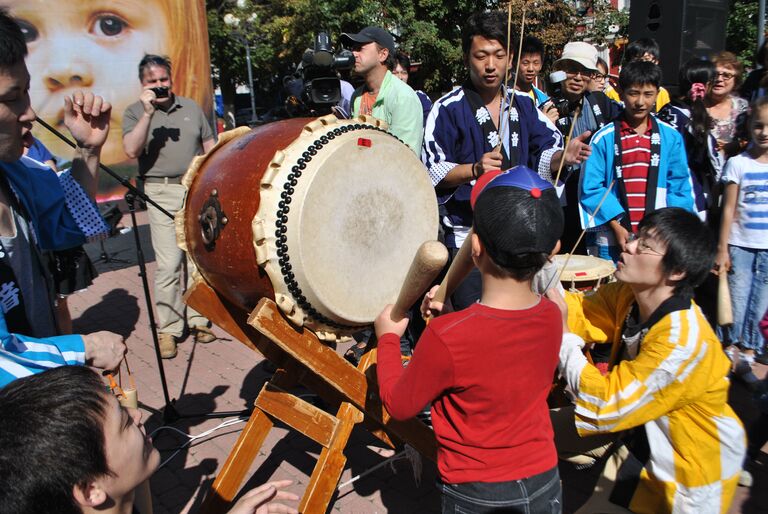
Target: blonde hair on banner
188, 50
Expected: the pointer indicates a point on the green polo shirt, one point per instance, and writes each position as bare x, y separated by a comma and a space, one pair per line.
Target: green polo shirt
399, 106
175, 137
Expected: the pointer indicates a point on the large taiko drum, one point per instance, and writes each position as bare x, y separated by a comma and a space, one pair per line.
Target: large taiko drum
324, 216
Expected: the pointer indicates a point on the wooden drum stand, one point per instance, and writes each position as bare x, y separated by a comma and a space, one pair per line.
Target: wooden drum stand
303, 359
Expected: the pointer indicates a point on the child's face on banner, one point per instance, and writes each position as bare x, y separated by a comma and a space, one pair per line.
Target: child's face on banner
92, 45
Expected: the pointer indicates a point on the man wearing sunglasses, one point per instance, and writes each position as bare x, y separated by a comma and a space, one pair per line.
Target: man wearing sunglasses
679, 446
594, 110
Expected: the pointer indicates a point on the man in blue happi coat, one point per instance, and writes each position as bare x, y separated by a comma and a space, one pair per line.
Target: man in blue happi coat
476, 128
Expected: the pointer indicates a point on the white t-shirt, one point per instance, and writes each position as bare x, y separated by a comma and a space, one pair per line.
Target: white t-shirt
750, 224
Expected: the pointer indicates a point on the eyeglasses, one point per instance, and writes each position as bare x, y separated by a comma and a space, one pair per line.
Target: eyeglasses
642, 246
584, 73
599, 76
572, 70
725, 75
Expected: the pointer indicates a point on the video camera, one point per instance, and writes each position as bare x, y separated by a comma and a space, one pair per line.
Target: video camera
315, 85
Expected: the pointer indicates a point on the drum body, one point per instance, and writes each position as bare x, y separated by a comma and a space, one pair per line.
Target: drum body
583, 272
324, 216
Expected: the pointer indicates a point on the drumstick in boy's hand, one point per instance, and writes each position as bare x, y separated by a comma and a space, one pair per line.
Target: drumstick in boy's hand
427, 263
458, 270
724, 310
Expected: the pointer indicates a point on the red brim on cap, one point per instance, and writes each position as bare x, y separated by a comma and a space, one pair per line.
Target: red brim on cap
480, 184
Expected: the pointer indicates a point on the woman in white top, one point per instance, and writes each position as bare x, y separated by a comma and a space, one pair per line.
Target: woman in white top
727, 110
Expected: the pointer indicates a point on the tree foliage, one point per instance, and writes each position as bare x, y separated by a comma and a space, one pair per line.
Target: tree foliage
607, 23
741, 31
428, 30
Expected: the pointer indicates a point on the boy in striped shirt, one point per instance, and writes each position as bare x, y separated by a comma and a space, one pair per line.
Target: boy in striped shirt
638, 164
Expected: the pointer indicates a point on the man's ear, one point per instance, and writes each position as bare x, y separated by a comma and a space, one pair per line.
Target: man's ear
386, 55
675, 277
89, 494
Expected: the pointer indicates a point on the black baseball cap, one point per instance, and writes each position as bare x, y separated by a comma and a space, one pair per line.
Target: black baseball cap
370, 35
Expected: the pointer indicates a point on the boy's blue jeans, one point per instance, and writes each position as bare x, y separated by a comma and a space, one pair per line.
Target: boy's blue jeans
539, 494
748, 281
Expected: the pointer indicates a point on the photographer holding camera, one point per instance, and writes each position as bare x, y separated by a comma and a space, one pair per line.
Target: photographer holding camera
165, 132
575, 68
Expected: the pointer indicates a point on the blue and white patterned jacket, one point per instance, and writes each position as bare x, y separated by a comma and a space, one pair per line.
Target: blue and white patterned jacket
453, 136
673, 188
61, 216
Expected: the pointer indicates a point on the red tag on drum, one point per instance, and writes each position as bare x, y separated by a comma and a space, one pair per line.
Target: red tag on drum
363, 141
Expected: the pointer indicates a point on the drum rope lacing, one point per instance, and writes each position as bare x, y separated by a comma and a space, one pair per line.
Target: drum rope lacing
281, 239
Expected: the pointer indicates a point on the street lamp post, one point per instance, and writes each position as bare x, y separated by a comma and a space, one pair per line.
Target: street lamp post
760, 26
250, 80
233, 21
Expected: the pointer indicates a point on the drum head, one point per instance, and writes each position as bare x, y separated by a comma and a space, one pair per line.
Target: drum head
583, 268
358, 213
363, 217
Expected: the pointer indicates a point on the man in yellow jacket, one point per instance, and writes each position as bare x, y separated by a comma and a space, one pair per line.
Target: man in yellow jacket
681, 446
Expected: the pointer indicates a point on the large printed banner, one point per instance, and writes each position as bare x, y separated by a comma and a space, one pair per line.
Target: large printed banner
97, 45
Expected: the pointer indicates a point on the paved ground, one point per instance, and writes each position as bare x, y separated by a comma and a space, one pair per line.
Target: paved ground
226, 376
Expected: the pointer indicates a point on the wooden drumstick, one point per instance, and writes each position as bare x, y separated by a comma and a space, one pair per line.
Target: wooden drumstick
427, 263
459, 269
129, 399
724, 310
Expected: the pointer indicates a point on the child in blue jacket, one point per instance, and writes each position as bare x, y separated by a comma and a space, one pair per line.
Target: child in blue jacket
638, 164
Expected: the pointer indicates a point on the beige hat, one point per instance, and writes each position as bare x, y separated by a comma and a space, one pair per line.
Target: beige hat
583, 53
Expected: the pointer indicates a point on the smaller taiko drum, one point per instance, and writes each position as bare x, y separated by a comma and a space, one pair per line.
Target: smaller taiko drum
583, 272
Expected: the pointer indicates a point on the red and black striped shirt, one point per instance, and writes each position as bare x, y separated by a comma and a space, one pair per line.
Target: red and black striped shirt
635, 162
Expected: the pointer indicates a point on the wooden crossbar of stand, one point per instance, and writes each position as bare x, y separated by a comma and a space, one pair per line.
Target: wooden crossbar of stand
304, 360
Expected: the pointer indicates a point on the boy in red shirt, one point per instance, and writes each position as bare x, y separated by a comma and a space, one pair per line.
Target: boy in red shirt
490, 416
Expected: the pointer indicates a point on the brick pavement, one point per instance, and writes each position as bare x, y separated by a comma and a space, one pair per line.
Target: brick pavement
226, 376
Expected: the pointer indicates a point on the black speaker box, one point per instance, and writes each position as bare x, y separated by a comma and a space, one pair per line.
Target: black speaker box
683, 28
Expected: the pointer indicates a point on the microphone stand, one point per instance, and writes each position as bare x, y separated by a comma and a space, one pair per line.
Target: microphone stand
170, 414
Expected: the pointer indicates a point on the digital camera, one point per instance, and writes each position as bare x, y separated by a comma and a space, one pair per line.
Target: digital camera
160, 92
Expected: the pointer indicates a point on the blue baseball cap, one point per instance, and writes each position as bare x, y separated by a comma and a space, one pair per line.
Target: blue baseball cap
521, 177
531, 220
